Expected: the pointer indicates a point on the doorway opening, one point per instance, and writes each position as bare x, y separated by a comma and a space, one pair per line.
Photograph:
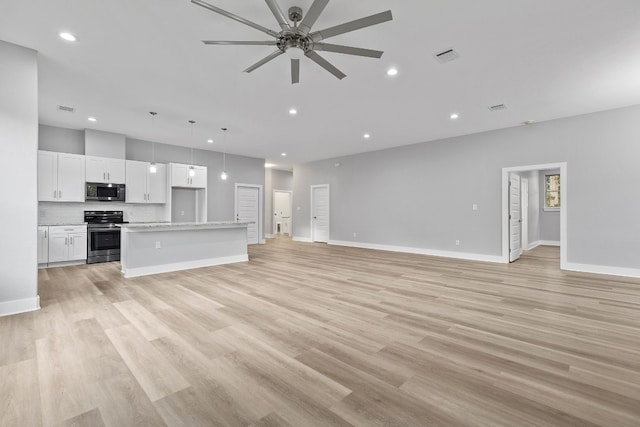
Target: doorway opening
533, 188
282, 206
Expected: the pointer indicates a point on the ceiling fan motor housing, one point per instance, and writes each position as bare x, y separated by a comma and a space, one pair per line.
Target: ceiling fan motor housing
295, 14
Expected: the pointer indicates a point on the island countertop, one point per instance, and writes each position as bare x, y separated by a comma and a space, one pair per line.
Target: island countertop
159, 226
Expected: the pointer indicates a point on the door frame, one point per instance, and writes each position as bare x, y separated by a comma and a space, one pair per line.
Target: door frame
328, 187
524, 213
564, 207
260, 207
273, 207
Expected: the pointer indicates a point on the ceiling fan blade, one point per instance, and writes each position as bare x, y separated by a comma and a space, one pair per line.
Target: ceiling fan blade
277, 12
242, 43
264, 61
295, 71
325, 64
312, 15
234, 17
358, 24
348, 50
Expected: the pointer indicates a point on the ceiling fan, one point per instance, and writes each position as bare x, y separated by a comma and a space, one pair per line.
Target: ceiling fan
296, 38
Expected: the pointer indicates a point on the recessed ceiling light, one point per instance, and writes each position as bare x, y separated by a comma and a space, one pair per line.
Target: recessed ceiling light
293, 111
284, 154
68, 37
269, 165
454, 116
366, 136
392, 72
210, 141
92, 119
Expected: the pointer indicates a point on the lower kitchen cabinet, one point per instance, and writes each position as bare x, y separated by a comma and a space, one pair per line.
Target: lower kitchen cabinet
43, 245
67, 243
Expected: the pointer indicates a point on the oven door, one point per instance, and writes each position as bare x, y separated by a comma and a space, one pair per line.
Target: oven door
103, 244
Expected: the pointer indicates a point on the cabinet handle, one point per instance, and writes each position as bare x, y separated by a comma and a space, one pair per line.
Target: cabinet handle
54, 194
66, 241
45, 234
109, 176
70, 240
59, 194
104, 175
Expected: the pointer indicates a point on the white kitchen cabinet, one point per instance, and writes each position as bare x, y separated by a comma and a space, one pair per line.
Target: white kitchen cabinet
144, 186
67, 243
105, 170
61, 177
181, 176
43, 244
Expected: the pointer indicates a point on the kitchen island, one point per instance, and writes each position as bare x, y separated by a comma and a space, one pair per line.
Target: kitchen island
152, 248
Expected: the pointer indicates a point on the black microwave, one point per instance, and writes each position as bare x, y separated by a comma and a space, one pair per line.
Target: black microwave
97, 191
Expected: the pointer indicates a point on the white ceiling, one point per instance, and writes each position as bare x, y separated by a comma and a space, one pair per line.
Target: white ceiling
544, 59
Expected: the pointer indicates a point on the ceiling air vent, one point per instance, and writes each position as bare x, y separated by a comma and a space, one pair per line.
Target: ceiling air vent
447, 55
498, 107
66, 109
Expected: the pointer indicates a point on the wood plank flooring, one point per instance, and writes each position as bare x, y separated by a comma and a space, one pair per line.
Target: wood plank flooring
317, 335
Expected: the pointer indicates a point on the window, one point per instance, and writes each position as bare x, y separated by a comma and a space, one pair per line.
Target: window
552, 192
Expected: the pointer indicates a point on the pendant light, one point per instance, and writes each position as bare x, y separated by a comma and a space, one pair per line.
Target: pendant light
192, 170
223, 175
152, 167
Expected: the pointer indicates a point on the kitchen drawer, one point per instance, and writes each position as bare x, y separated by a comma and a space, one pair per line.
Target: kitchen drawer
66, 229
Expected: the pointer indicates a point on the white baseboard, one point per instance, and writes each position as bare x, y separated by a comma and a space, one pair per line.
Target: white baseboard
8, 308
178, 266
421, 251
549, 243
533, 245
602, 269
302, 239
269, 236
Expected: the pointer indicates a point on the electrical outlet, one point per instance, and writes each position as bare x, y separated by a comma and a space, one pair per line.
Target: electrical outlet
475, 207
457, 242
298, 208
355, 234
158, 245
182, 213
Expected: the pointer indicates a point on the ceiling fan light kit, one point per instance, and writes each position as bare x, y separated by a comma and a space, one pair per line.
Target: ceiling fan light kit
296, 38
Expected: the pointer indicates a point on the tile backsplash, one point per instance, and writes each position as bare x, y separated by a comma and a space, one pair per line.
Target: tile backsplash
72, 213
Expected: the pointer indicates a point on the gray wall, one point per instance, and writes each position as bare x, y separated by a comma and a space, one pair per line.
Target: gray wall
104, 144
421, 196
19, 157
220, 194
549, 220
61, 140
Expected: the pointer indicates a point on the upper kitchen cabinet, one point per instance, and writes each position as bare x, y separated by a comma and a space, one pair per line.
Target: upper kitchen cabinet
60, 177
188, 176
105, 170
145, 186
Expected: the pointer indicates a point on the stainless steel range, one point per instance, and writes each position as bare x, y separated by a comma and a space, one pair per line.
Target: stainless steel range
103, 236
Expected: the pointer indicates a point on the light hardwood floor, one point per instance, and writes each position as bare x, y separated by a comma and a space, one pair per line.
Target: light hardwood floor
315, 335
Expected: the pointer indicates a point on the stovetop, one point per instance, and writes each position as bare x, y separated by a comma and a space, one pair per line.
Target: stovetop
104, 217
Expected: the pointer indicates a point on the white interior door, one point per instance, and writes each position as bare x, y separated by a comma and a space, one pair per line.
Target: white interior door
524, 197
320, 213
515, 212
248, 209
282, 212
